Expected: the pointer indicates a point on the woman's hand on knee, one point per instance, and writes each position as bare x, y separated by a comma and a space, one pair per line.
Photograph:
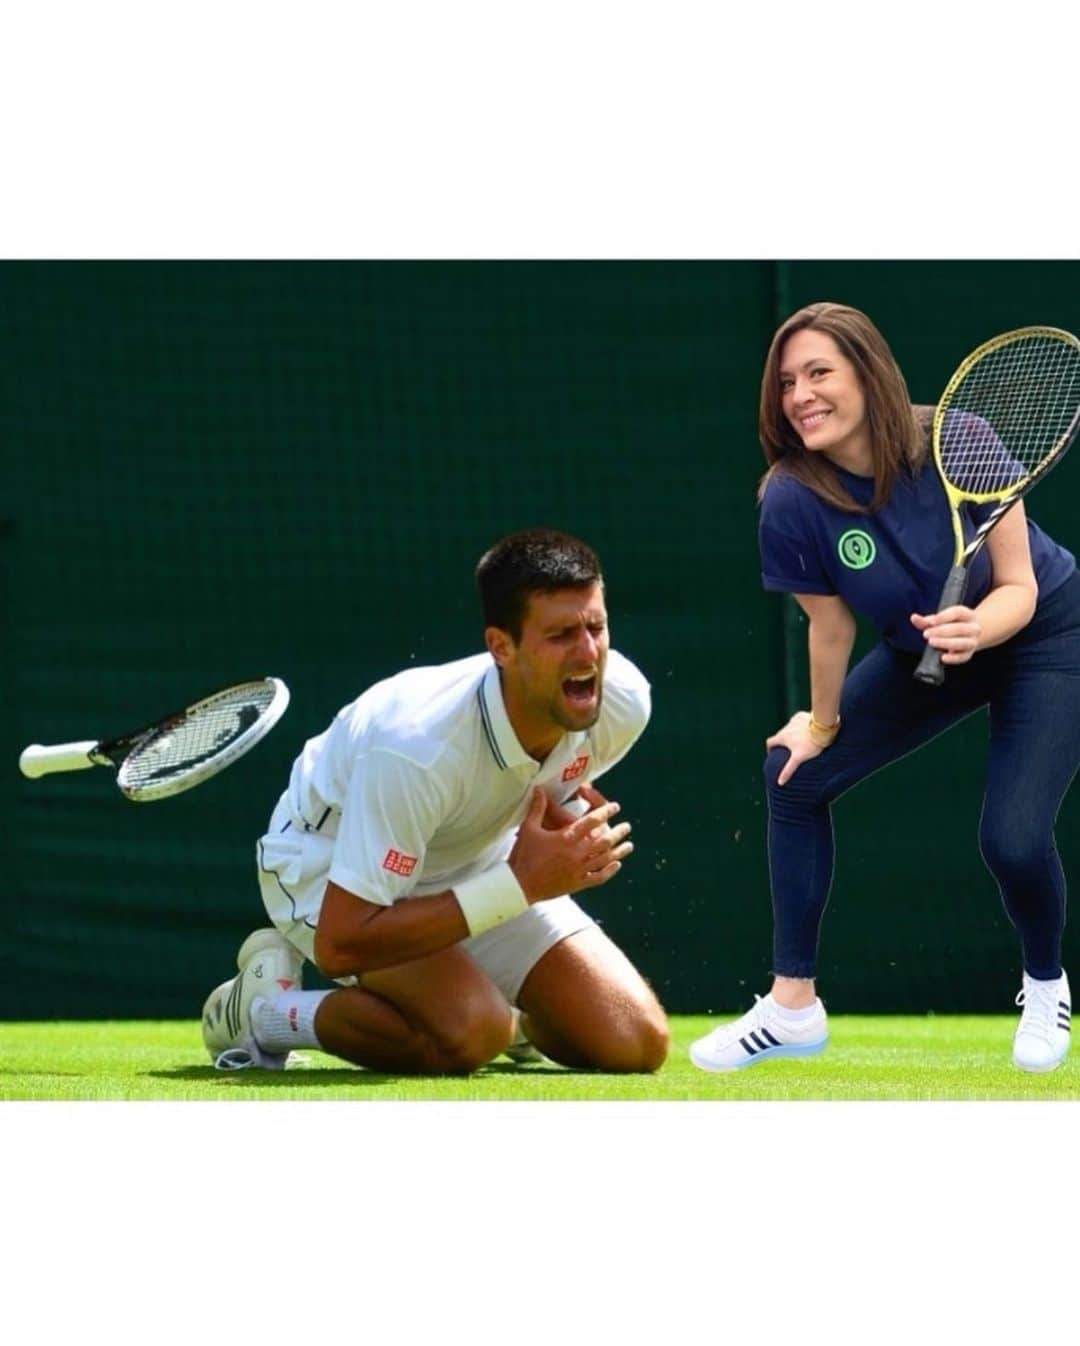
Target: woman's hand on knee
795, 736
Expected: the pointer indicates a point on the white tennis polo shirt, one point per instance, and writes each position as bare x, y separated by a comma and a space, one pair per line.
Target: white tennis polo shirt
421, 781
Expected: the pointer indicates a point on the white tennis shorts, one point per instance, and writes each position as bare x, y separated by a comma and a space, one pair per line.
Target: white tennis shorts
293, 867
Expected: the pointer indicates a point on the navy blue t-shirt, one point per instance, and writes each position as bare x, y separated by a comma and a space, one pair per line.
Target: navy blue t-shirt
887, 565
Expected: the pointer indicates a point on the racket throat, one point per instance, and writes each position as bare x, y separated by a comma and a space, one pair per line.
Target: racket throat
958, 535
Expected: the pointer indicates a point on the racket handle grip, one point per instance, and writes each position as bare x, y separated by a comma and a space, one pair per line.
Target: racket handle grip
931, 670
37, 760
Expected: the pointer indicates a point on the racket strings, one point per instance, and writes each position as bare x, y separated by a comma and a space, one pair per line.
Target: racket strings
203, 732
1010, 413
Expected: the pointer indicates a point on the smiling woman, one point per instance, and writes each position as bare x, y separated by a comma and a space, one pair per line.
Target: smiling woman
822, 398
842, 439
836, 355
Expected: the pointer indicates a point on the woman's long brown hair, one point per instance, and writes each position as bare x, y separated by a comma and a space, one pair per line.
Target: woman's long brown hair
898, 431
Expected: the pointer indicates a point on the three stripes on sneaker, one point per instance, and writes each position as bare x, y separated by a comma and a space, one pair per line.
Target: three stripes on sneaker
758, 1046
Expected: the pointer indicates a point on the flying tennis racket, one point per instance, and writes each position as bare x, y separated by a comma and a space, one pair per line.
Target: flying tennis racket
178, 752
1005, 419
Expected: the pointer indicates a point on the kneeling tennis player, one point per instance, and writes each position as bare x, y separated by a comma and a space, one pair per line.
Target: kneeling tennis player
424, 853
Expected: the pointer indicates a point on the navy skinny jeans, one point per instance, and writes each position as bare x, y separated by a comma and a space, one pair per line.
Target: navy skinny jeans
1031, 684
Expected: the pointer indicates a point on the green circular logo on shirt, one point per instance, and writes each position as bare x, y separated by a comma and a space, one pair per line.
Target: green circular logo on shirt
856, 549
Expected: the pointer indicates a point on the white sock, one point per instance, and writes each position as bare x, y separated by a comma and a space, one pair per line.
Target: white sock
794, 1015
284, 1021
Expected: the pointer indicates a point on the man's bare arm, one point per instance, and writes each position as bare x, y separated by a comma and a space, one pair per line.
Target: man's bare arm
355, 936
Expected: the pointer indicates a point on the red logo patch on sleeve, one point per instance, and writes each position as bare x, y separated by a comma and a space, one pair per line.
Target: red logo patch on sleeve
397, 863
576, 768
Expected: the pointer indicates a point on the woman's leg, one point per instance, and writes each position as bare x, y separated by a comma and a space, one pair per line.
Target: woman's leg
1034, 755
885, 714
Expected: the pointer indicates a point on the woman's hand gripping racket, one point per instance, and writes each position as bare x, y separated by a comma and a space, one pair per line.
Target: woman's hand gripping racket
1006, 417
179, 751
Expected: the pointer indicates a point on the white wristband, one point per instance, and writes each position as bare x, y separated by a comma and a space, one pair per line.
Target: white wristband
490, 898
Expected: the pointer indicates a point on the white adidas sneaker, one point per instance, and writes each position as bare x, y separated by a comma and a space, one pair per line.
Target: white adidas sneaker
268, 965
760, 1035
1042, 1035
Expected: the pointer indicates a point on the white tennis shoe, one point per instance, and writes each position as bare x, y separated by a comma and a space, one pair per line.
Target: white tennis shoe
760, 1035
268, 965
1042, 1035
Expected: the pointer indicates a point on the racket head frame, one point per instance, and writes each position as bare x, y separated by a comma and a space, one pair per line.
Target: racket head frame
930, 669
123, 752
965, 552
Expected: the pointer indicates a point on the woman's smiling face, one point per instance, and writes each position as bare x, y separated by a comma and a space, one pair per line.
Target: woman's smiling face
823, 399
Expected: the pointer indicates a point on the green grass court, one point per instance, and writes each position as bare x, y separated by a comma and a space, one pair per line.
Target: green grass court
946, 1058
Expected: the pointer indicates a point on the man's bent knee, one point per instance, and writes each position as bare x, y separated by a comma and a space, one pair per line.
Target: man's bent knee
641, 1047
465, 1045
625, 1044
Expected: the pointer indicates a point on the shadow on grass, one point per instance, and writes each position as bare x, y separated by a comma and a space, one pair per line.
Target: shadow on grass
356, 1076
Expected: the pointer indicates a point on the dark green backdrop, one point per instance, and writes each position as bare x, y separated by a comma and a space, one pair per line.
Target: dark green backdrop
220, 470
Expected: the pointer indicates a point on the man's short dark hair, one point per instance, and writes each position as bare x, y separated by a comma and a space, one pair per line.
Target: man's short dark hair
536, 561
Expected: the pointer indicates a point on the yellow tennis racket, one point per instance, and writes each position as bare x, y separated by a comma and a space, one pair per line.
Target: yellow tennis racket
1006, 417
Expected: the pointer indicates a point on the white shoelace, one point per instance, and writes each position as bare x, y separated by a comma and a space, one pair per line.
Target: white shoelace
1040, 1007
727, 1033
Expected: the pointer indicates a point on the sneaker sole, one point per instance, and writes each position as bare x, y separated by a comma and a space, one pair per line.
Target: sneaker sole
768, 1053
1043, 1069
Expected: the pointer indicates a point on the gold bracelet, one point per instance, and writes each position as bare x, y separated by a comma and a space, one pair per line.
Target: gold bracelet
822, 735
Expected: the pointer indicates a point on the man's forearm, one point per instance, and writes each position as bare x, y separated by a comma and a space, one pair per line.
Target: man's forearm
352, 938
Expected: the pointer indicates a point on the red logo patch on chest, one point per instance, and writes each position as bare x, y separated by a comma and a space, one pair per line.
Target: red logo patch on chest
575, 769
397, 863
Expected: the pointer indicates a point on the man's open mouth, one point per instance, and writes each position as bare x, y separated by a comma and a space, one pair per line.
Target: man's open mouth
580, 689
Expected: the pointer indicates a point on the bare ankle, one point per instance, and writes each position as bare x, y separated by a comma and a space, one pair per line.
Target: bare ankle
794, 992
